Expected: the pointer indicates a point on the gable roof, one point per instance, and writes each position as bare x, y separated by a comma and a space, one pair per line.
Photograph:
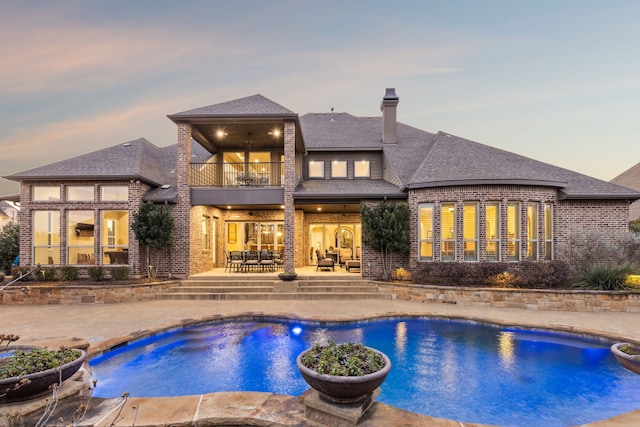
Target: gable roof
137, 159
250, 106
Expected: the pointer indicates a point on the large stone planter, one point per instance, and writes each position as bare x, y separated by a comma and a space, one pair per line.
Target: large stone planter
343, 389
629, 361
32, 385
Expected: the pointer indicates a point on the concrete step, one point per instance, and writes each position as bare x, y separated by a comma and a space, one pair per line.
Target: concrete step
217, 289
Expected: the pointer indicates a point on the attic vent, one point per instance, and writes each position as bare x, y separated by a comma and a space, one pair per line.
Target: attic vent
165, 186
126, 144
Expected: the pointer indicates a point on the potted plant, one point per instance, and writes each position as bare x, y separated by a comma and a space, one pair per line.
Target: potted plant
343, 373
288, 276
26, 372
628, 355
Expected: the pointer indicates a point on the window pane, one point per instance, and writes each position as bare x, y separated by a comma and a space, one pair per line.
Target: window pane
532, 231
205, 233
470, 231
46, 237
448, 231
316, 169
361, 169
84, 192
548, 232
513, 231
493, 231
426, 231
46, 194
114, 193
80, 237
114, 237
339, 169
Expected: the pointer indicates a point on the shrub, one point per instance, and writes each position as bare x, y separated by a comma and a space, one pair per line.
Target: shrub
400, 274
69, 274
96, 273
606, 277
49, 274
120, 273
9, 246
537, 275
19, 270
25, 362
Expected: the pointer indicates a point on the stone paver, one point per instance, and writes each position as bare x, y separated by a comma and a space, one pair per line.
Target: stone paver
104, 325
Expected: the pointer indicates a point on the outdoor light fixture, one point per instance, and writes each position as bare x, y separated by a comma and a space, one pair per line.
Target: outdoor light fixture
221, 134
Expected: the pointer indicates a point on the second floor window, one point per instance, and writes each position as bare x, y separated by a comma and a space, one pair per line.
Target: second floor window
339, 169
362, 169
316, 169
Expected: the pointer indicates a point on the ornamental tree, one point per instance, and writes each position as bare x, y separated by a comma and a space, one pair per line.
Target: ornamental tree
385, 227
153, 227
9, 246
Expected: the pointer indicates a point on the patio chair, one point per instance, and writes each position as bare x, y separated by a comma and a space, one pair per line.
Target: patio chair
234, 261
324, 263
251, 261
266, 261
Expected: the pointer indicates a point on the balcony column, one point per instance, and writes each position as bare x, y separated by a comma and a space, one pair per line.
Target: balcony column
289, 186
181, 211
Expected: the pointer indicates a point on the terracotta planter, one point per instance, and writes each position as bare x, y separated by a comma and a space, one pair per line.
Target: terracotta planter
629, 361
341, 389
39, 382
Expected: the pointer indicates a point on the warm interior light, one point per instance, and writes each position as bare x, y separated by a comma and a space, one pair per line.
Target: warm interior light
319, 209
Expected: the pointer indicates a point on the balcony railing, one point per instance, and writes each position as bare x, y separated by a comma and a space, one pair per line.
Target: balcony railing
255, 174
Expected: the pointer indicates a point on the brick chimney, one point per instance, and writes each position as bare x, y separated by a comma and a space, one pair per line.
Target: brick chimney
388, 106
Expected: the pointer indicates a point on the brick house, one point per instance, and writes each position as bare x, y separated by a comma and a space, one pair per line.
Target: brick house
250, 174
631, 179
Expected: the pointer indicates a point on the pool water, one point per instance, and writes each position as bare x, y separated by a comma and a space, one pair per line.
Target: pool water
458, 370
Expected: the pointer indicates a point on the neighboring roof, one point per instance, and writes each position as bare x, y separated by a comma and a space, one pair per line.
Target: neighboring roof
629, 178
137, 159
250, 106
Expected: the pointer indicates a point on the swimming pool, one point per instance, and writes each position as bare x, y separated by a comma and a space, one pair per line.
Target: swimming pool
451, 369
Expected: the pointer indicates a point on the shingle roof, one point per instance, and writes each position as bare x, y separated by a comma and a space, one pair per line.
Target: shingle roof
255, 105
361, 188
137, 159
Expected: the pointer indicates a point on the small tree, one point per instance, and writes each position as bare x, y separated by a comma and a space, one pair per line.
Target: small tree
635, 225
385, 227
153, 227
9, 246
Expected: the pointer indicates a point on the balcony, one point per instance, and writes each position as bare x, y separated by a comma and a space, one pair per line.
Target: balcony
228, 175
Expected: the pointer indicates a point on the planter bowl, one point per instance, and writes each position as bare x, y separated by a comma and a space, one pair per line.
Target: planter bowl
629, 361
287, 277
38, 382
344, 389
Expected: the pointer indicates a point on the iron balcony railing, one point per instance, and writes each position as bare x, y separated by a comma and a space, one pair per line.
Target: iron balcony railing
255, 174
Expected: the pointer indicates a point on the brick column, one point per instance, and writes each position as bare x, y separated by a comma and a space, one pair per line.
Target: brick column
181, 212
289, 186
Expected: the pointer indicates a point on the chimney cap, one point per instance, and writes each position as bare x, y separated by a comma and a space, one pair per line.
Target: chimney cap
390, 94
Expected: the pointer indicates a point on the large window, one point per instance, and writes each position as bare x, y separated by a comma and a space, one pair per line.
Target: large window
80, 238
316, 169
493, 231
425, 223
46, 237
45, 194
532, 231
79, 193
448, 231
339, 169
114, 193
470, 231
513, 231
362, 169
548, 231
115, 237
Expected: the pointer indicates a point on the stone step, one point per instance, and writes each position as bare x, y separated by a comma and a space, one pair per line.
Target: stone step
218, 289
275, 296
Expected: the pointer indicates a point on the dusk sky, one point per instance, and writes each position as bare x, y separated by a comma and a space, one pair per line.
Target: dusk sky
557, 81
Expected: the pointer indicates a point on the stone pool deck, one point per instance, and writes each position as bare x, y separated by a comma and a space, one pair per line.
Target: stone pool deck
106, 325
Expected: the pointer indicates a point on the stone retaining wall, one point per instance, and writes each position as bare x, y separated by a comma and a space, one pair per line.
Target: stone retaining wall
80, 294
554, 300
